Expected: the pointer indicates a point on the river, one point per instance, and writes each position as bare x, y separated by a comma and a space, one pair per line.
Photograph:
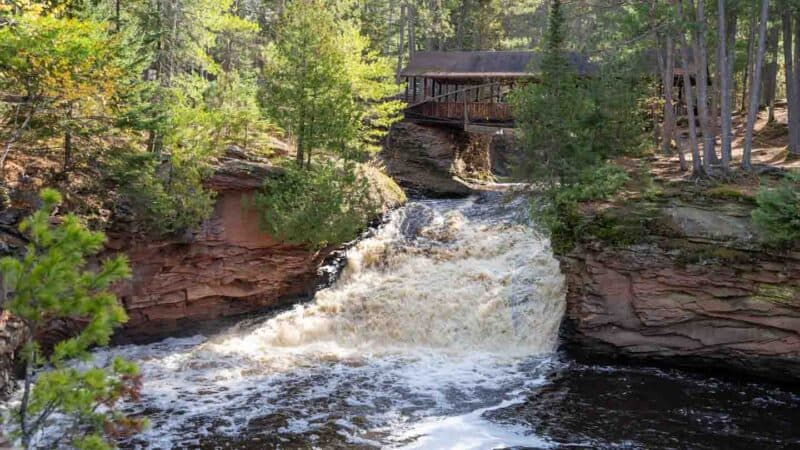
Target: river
440, 333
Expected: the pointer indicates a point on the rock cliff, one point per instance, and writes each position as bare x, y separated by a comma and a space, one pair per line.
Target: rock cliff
436, 161
684, 284
227, 267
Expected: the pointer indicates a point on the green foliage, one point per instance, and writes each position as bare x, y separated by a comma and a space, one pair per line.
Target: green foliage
328, 204
322, 84
594, 183
778, 213
64, 77
167, 197
556, 116
52, 281
559, 212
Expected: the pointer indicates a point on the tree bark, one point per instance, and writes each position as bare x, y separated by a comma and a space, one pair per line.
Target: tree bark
667, 66
725, 88
412, 42
771, 72
755, 86
791, 76
697, 168
400, 45
701, 63
796, 85
750, 57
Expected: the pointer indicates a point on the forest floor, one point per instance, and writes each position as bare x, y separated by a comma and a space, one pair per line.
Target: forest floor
770, 152
658, 177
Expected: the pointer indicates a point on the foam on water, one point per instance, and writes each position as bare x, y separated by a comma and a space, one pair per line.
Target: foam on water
449, 310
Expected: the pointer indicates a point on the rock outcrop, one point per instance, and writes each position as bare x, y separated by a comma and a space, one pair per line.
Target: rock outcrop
696, 289
12, 336
226, 268
435, 161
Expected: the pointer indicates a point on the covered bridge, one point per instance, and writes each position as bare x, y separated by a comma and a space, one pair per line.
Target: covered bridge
471, 88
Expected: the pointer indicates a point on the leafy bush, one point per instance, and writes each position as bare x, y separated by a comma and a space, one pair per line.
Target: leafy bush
594, 183
560, 213
778, 213
326, 205
166, 197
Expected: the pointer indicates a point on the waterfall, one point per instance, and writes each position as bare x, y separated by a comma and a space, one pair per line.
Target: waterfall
448, 310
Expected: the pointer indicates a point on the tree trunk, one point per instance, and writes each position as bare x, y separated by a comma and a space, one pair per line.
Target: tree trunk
725, 88
667, 66
697, 168
750, 57
755, 86
68, 141
701, 62
771, 73
462, 18
400, 45
791, 92
412, 42
796, 85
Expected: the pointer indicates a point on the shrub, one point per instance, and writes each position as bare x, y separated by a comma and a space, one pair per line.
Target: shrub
560, 214
777, 216
54, 280
326, 205
166, 197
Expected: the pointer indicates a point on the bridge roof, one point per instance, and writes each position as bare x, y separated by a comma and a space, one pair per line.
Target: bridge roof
485, 64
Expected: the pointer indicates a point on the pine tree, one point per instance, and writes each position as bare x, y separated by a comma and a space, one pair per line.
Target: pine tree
52, 281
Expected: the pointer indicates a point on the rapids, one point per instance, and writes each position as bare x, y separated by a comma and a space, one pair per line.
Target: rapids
440, 333
445, 311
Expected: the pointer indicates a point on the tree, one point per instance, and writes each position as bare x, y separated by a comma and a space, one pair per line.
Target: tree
324, 86
697, 168
755, 86
53, 281
553, 115
725, 90
701, 64
792, 76
66, 73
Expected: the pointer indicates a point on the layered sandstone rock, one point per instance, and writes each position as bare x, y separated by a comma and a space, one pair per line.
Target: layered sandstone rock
436, 160
699, 291
226, 268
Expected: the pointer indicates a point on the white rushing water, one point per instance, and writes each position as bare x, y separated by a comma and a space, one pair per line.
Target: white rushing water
449, 310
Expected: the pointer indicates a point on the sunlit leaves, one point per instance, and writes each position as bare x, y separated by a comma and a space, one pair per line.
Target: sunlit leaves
53, 281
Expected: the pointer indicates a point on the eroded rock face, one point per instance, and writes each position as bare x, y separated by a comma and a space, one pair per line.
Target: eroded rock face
226, 268
435, 160
705, 294
229, 267
13, 334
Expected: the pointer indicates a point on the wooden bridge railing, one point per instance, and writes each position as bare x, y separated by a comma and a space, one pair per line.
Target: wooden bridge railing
467, 109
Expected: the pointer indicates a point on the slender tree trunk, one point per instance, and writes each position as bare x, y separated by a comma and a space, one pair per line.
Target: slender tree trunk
755, 85
667, 66
401, 39
796, 88
750, 57
701, 62
462, 18
412, 40
697, 168
791, 93
725, 88
300, 145
116, 15
771, 72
